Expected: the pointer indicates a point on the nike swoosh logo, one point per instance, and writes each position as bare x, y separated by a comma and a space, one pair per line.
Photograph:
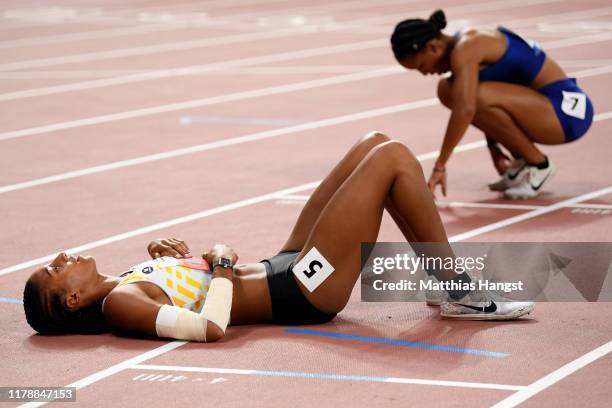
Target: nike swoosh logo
540, 185
491, 308
513, 176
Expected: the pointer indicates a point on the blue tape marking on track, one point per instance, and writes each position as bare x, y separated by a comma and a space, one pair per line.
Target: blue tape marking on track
11, 300
403, 343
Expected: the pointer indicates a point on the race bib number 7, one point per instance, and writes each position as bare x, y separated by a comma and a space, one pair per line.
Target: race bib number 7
313, 269
574, 104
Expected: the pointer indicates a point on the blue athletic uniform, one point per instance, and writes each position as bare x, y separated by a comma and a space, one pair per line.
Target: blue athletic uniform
521, 63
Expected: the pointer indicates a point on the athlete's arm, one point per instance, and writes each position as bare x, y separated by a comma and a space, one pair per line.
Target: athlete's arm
465, 61
137, 313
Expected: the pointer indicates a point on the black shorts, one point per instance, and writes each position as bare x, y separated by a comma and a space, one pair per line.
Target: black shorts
289, 305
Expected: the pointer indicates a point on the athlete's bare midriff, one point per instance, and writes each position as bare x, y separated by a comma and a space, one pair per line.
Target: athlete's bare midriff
251, 302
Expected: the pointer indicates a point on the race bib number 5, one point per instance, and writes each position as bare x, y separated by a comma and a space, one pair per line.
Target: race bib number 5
313, 269
574, 104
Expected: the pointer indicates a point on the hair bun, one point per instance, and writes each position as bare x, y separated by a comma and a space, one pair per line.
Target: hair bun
438, 19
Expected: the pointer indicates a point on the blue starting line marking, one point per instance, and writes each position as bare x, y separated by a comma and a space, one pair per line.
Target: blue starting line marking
190, 120
401, 343
11, 300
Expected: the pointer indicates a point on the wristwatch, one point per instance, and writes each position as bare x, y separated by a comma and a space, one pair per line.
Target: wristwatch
223, 262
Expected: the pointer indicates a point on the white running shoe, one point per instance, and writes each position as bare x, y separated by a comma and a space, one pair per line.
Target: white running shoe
434, 297
512, 177
485, 309
531, 184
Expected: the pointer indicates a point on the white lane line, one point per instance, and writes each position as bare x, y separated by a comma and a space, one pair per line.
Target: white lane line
313, 11
188, 70
156, 48
441, 204
531, 214
194, 69
581, 40
246, 70
331, 376
221, 144
457, 204
164, 224
91, 35
100, 375
603, 116
70, 74
173, 107
554, 377
461, 204
293, 197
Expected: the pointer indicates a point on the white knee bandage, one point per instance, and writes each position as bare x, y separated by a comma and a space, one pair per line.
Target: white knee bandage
182, 324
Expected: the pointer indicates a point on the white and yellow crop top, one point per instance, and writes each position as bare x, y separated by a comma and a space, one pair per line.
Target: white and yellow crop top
184, 281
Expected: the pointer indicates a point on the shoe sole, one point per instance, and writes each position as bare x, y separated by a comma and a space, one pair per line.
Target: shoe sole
432, 302
493, 187
484, 316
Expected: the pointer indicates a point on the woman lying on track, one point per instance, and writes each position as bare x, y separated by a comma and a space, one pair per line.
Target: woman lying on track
164, 297
504, 85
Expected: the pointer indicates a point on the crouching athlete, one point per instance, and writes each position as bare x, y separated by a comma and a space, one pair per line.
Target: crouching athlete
504, 85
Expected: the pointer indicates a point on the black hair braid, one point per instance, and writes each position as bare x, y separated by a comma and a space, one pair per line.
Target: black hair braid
410, 36
438, 19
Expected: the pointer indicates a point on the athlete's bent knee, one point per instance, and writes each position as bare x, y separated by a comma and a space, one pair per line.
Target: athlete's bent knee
485, 98
394, 149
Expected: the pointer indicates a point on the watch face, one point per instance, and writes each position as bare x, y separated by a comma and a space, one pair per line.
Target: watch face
224, 262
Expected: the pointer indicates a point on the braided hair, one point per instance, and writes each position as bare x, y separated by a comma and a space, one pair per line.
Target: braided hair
410, 36
47, 314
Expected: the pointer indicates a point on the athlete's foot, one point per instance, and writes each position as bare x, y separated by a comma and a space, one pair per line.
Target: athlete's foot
512, 177
531, 184
482, 306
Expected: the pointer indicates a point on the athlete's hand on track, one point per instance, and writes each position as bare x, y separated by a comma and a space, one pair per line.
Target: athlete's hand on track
500, 160
220, 251
168, 247
437, 177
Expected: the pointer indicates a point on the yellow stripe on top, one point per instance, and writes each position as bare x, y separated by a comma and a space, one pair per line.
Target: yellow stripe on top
185, 292
193, 282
